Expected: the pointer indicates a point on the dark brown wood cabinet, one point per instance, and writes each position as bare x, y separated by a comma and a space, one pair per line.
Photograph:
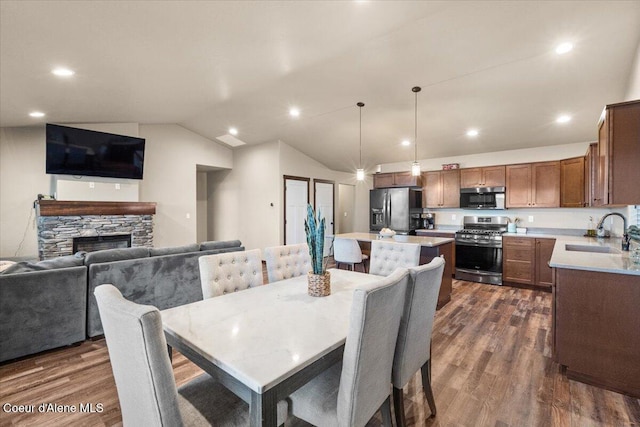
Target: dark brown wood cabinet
396, 179
619, 155
572, 186
441, 189
491, 176
533, 185
590, 173
526, 261
544, 274
596, 328
518, 260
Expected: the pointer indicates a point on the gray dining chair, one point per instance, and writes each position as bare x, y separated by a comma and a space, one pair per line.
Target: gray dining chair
413, 348
387, 256
352, 391
347, 251
144, 378
285, 262
230, 272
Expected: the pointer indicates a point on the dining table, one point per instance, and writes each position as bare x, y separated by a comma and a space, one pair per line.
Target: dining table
265, 342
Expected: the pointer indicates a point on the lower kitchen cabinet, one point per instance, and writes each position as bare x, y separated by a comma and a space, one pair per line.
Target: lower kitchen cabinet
526, 261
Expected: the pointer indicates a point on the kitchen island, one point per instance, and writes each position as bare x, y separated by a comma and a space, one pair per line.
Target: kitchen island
431, 247
596, 325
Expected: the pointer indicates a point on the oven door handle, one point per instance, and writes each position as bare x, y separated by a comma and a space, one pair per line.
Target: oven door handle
481, 243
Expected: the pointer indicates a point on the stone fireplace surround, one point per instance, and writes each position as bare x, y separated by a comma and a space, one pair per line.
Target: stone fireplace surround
60, 221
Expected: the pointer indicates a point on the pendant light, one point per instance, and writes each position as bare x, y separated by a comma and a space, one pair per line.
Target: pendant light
415, 166
360, 171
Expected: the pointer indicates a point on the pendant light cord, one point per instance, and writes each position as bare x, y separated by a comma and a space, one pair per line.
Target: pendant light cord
360, 163
415, 140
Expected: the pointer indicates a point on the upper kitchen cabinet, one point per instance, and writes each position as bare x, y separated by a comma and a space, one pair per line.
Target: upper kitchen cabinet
492, 176
572, 186
441, 189
619, 155
396, 179
533, 185
590, 174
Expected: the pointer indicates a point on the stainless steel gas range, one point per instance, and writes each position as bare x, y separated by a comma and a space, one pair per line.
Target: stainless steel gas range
479, 249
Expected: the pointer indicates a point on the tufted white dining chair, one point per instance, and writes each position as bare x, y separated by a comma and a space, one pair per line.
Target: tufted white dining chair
285, 262
144, 378
350, 392
387, 256
413, 349
347, 251
230, 272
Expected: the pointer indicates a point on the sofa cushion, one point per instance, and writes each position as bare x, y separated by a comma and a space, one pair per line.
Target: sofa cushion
109, 255
5, 264
174, 250
207, 246
76, 260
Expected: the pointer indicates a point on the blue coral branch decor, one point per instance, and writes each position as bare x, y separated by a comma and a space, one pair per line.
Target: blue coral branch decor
319, 278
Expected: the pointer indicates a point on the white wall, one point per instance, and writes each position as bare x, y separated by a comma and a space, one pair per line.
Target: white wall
172, 154
22, 178
633, 87
243, 197
346, 208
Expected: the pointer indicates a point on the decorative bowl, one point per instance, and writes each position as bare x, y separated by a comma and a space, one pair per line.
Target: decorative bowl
387, 233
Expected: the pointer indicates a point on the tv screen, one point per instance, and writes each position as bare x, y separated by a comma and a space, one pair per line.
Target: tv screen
72, 151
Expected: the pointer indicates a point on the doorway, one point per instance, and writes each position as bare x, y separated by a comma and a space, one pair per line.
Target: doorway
296, 198
323, 200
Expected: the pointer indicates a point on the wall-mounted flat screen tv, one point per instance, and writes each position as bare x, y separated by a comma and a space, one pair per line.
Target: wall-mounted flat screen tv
72, 151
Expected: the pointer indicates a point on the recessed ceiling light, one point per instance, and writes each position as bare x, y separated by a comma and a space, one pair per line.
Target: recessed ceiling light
563, 119
406, 143
36, 114
294, 112
63, 72
563, 48
233, 131
472, 132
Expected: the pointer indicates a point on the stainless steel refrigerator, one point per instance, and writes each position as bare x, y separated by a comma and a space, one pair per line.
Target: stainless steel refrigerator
396, 208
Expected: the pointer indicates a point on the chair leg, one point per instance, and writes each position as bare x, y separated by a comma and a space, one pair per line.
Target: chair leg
386, 413
398, 406
426, 386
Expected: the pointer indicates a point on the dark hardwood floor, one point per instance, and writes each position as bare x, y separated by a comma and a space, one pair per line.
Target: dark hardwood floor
491, 367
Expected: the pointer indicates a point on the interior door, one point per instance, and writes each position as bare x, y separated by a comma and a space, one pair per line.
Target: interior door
324, 193
296, 198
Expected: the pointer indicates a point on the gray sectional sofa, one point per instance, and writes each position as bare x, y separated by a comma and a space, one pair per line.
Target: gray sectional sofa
50, 304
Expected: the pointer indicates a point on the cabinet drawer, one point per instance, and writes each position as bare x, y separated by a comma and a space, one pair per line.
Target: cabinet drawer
518, 253
519, 241
518, 271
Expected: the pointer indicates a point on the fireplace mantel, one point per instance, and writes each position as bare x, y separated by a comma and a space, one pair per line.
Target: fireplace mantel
74, 208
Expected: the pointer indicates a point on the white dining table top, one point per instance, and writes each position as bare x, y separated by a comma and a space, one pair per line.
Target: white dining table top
265, 334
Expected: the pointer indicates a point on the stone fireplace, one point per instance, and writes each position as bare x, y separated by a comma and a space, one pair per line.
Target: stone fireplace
60, 222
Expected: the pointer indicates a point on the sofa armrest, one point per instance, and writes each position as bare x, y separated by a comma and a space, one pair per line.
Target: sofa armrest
41, 310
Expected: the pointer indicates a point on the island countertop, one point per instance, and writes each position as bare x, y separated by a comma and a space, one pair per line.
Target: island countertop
421, 240
582, 258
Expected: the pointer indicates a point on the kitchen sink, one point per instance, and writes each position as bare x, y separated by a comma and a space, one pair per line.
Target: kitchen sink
594, 249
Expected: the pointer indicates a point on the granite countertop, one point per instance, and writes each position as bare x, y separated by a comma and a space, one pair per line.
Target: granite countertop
616, 261
422, 240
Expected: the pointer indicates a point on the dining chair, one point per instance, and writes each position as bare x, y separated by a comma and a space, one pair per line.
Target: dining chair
413, 348
144, 378
347, 251
387, 256
351, 392
285, 262
230, 272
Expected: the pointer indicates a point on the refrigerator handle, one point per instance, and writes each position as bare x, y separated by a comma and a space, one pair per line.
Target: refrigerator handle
389, 211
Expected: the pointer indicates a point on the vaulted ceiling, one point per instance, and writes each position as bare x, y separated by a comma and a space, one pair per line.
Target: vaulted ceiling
209, 66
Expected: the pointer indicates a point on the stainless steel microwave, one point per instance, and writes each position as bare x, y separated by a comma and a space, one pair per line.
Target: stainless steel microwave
482, 198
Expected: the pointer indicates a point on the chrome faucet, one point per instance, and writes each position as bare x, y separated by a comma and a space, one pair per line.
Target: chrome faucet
625, 234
